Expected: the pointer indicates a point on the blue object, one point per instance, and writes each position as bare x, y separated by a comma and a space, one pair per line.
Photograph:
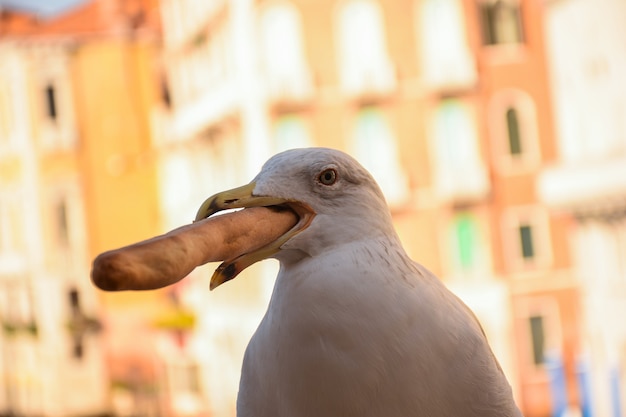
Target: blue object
614, 383
584, 387
558, 389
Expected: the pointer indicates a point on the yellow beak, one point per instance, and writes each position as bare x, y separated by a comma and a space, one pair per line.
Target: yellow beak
242, 197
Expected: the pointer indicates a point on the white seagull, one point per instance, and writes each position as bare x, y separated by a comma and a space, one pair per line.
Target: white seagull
354, 326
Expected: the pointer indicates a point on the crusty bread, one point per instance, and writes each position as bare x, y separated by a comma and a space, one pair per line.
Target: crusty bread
166, 259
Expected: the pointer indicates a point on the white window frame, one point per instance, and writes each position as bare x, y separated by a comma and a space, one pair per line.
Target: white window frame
292, 80
373, 76
450, 66
54, 70
456, 179
530, 158
74, 254
14, 73
382, 158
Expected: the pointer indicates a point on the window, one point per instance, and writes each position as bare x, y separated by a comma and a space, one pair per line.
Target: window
64, 226
374, 145
164, 92
51, 102
364, 63
526, 238
501, 22
460, 175
513, 132
466, 239
290, 132
55, 101
467, 257
283, 53
203, 66
537, 335
77, 334
80, 325
526, 241
61, 224
18, 316
447, 60
512, 125
538, 320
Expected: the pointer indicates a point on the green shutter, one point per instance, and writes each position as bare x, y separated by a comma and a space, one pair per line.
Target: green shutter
467, 240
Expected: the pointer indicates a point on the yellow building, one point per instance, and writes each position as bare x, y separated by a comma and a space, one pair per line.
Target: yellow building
77, 177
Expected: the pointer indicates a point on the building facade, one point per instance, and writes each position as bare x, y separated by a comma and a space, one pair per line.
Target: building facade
446, 102
76, 179
50, 320
588, 182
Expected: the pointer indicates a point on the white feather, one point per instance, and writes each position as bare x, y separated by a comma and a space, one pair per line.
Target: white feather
354, 327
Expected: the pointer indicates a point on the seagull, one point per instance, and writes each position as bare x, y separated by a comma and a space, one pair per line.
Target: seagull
354, 327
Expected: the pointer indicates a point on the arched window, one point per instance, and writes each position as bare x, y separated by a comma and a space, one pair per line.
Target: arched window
282, 50
460, 174
374, 145
513, 127
447, 60
363, 59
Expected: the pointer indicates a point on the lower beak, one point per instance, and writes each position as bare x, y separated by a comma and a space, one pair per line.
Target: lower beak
243, 197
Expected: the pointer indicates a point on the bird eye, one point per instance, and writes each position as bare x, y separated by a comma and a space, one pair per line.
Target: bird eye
328, 177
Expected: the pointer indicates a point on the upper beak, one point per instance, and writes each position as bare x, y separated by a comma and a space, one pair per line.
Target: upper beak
243, 197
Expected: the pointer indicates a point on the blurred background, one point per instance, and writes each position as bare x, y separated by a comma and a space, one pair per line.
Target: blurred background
496, 128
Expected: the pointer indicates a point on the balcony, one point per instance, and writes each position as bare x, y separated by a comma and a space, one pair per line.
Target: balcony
451, 74
368, 83
462, 184
289, 91
204, 110
586, 188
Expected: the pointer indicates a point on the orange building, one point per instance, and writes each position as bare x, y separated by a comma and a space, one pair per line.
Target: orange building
79, 177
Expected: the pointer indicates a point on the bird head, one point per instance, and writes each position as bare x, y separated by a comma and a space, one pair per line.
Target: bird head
336, 199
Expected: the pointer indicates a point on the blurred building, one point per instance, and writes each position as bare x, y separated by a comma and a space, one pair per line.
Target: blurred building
76, 178
446, 102
588, 181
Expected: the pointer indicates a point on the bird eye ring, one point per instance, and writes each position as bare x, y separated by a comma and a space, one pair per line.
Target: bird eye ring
328, 177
